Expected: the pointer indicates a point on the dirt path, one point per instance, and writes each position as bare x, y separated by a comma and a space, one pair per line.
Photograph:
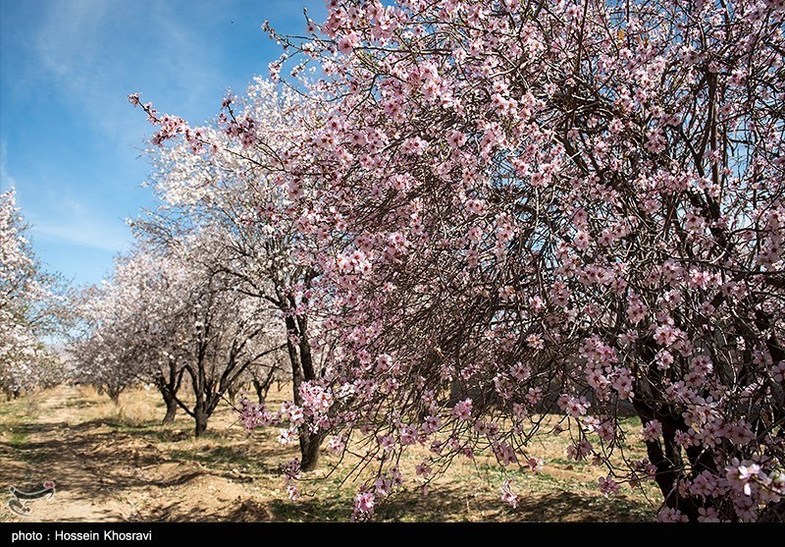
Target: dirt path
119, 463
102, 474
81, 492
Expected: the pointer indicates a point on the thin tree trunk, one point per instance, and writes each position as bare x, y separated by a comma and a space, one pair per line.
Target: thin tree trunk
666, 456
168, 395
311, 447
261, 389
233, 390
301, 361
200, 419
171, 410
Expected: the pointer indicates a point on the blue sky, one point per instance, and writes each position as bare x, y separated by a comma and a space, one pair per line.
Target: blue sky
70, 142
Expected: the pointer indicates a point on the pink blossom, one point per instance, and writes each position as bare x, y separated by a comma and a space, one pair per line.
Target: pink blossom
652, 431
408, 435
708, 514
364, 504
668, 514
664, 335
387, 442
581, 240
463, 409
741, 475
637, 311
623, 383
535, 341
456, 139
664, 359
336, 444
431, 424
505, 454
608, 486
287, 436
508, 496
476, 206
580, 450
705, 484
347, 42
574, 406
423, 470
520, 371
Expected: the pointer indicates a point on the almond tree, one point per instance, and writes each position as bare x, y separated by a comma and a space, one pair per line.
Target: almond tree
164, 317
29, 308
521, 205
229, 176
231, 332
131, 329
569, 201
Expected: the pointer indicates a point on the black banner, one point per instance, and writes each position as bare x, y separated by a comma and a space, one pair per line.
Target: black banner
174, 534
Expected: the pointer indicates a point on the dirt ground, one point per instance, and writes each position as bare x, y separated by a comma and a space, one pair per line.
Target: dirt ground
117, 463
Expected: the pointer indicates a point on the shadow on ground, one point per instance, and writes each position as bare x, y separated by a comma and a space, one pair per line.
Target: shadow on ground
113, 468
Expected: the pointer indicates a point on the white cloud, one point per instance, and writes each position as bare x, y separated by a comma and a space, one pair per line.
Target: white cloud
6, 180
77, 225
64, 219
83, 234
97, 52
93, 53
67, 44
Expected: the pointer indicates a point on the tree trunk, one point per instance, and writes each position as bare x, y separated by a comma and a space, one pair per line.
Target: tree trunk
233, 390
262, 387
261, 392
168, 396
171, 410
310, 443
666, 456
200, 417
310, 449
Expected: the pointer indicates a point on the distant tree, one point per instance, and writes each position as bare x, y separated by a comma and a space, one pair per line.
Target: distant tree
31, 307
272, 370
165, 317
129, 330
231, 335
228, 175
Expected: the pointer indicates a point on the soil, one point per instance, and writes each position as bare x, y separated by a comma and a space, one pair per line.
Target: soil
119, 463
102, 474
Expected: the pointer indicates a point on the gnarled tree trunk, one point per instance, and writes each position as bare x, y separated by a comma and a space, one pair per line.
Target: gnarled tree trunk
171, 410
302, 371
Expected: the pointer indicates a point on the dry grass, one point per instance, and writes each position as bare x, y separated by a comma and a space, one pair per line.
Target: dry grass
116, 462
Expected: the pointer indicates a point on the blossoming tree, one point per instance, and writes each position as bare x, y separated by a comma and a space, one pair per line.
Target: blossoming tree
165, 316
131, 329
580, 200
231, 176
28, 308
524, 206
